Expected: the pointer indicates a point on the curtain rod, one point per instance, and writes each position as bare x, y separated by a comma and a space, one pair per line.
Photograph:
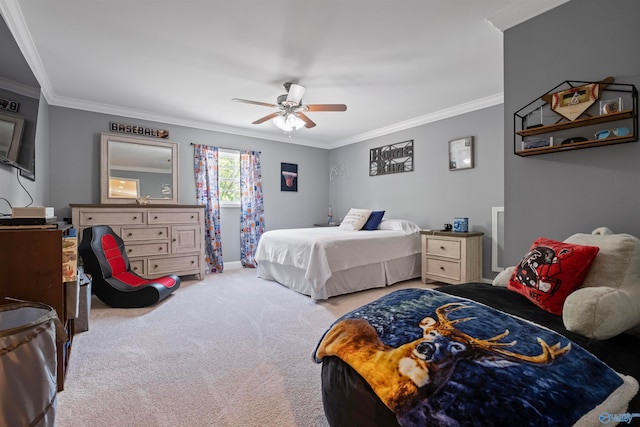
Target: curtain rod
224, 148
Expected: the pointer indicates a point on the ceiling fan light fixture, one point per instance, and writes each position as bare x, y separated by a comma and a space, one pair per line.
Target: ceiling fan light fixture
288, 122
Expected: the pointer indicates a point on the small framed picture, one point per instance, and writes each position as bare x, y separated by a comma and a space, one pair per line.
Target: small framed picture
288, 177
610, 106
461, 153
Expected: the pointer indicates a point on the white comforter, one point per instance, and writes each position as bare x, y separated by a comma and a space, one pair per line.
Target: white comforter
323, 250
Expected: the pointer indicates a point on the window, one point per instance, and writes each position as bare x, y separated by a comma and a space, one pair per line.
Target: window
229, 177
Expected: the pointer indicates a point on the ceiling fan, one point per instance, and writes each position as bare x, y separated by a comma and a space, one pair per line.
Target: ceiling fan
291, 114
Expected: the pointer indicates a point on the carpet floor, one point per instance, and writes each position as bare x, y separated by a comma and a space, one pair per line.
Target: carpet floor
230, 350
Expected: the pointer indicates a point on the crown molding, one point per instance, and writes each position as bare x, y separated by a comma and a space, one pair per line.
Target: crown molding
521, 12
457, 110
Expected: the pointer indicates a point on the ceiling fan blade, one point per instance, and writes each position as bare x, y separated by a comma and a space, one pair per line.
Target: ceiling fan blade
254, 102
295, 93
308, 122
265, 118
326, 107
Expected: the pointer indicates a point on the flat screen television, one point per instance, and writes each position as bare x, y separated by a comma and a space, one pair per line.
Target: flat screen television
11, 128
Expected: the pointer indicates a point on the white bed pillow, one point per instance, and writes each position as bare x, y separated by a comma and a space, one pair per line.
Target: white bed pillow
408, 227
355, 219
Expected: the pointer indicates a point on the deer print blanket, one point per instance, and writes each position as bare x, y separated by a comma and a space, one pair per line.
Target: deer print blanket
437, 359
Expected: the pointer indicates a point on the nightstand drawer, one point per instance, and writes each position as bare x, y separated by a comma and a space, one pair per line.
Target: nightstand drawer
443, 248
439, 268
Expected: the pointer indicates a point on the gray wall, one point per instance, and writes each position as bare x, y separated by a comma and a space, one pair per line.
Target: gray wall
431, 195
556, 195
75, 171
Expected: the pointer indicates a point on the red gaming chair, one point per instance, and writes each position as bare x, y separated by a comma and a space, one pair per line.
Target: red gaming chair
106, 261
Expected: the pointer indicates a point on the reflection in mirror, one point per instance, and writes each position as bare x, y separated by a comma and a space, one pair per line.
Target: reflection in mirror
135, 168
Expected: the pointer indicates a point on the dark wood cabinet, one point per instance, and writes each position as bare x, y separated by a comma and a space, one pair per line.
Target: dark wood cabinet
31, 265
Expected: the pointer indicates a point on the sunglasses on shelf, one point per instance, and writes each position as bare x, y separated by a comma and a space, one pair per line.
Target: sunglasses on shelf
603, 134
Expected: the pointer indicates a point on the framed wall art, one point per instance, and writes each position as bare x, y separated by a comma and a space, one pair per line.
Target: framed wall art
461, 153
288, 177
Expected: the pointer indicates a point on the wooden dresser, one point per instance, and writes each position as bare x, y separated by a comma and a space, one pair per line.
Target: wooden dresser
451, 257
159, 240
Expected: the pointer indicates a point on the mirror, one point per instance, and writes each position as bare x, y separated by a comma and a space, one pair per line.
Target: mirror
133, 168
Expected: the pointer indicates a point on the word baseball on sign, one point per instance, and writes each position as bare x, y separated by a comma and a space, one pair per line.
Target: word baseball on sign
392, 158
139, 130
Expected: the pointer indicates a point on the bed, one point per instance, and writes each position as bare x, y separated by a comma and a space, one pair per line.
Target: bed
481, 354
322, 262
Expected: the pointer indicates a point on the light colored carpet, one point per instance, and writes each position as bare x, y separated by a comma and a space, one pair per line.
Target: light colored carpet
231, 350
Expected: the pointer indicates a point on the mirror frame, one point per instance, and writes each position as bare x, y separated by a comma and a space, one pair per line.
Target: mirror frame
105, 138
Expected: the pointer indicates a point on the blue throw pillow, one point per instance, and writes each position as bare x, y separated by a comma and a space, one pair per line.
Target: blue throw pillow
373, 221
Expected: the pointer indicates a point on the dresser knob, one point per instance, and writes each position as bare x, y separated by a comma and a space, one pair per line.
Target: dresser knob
442, 268
193, 262
192, 217
442, 248
129, 250
135, 217
155, 217
130, 234
90, 218
160, 249
155, 266
175, 240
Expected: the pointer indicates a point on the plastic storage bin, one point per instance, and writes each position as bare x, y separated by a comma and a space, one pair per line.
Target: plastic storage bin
28, 363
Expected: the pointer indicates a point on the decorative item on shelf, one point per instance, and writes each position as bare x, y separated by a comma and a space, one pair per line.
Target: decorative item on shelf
604, 134
138, 130
574, 139
610, 106
330, 216
448, 227
461, 225
143, 200
530, 143
461, 153
534, 119
571, 103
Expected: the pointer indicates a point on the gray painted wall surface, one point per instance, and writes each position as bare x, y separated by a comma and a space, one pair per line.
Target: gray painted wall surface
431, 195
75, 171
556, 195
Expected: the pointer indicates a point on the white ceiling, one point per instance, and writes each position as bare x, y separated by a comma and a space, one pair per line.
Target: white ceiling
395, 63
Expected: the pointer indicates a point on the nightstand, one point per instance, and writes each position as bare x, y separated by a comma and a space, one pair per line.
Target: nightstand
451, 257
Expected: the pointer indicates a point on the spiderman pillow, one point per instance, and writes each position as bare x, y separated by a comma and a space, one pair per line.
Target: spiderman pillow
550, 271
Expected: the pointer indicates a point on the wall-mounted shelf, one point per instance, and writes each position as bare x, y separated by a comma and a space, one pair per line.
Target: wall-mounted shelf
556, 133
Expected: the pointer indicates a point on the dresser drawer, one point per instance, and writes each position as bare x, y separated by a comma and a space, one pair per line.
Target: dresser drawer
444, 269
132, 234
174, 265
137, 266
443, 248
128, 217
174, 217
146, 249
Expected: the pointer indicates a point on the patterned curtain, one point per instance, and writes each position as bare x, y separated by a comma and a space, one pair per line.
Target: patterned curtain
207, 194
251, 206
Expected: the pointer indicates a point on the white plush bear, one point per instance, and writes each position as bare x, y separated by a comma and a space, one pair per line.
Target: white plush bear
607, 303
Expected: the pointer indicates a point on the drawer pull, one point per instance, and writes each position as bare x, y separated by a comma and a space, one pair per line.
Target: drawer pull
442, 248
90, 218
442, 268
129, 250
160, 249
193, 262
175, 240
155, 217
135, 217
130, 234
155, 266
192, 216
135, 268
159, 233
